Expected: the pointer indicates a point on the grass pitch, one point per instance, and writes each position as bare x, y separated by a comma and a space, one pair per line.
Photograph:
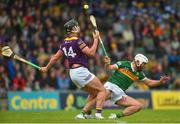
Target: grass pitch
144, 116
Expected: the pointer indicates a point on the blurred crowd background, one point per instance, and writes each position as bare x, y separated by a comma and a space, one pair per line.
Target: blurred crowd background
34, 30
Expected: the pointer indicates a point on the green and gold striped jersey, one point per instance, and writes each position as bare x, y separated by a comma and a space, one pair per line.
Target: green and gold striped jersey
125, 75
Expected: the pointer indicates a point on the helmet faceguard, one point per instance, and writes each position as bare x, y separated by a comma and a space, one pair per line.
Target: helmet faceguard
141, 58
71, 26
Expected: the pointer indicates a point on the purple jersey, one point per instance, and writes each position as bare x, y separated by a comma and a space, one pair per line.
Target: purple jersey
72, 48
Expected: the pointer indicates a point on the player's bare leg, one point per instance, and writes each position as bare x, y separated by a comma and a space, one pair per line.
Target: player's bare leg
90, 104
131, 104
96, 85
91, 100
97, 93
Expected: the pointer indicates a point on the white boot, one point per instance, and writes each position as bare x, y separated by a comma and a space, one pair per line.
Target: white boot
98, 116
112, 116
87, 116
80, 116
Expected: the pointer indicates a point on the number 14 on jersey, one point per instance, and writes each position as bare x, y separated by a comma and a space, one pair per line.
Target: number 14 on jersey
69, 52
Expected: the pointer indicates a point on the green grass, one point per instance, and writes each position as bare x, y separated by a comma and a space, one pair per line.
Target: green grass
144, 116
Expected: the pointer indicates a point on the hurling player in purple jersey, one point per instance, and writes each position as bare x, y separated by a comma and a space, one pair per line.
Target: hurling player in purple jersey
77, 54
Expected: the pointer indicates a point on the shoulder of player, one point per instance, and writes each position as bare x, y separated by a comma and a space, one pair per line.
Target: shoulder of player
124, 62
80, 41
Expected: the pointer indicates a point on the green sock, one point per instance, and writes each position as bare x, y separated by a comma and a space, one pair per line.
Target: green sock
88, 112
119, 115
83, 112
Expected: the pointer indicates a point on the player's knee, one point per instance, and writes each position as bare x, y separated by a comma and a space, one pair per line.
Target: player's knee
102, 91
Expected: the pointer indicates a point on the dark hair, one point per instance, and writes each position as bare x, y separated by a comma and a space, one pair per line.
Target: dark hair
70, 24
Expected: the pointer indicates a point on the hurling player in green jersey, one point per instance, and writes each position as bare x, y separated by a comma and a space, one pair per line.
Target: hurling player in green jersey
125, 73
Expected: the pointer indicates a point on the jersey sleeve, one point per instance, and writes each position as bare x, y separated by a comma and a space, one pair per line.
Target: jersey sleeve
119, 64
81, 44
142, 76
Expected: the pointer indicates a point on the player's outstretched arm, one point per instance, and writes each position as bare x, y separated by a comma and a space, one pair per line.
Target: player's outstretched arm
53, 60
92, 51
153, 83
109, 66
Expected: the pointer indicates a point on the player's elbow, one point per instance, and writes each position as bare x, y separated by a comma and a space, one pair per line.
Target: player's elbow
91, 54
149, 84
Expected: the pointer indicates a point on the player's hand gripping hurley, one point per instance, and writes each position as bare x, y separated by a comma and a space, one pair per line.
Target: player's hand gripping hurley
93, 21
7, 51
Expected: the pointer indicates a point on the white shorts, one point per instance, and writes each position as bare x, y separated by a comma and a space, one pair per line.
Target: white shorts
117, 92
81, 76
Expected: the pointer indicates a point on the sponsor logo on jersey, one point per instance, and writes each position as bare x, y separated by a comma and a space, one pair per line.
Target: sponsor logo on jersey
128, 74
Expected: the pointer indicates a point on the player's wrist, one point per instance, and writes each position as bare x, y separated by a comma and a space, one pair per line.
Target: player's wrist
160, 82
47, 67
